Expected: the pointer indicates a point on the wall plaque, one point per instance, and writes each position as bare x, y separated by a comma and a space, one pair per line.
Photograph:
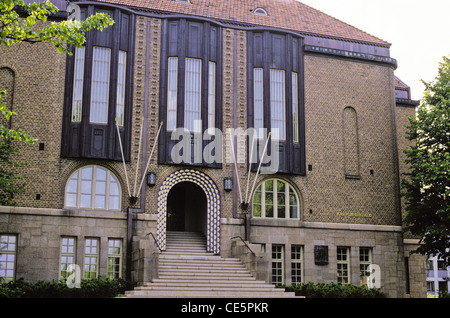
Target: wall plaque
320, 255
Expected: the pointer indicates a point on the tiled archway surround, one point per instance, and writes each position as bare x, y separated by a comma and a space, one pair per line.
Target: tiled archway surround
212, 208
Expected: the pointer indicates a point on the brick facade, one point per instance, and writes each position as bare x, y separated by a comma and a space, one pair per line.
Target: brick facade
358, 210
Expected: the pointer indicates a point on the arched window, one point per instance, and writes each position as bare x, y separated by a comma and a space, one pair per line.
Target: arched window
260, 11
93, 187
275, 198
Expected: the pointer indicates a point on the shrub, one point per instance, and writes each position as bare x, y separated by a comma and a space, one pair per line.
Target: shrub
334, 290
92, 288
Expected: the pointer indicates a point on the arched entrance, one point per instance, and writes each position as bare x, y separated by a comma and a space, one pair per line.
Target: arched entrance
188, 181
186, 208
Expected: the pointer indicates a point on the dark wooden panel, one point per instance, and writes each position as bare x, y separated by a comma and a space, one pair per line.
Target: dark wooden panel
278, 51
173, 35
194, 40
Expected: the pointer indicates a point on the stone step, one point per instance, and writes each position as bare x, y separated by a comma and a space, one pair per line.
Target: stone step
186, 270
253, 285
206, 280
205, 294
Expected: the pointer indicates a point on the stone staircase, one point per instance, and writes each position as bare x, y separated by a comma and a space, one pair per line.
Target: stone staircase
186, 270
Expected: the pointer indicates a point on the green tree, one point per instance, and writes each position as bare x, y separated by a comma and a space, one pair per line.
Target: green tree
28, 23
426, 187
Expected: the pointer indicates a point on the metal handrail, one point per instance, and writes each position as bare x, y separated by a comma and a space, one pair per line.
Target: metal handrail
156, 242
234, 237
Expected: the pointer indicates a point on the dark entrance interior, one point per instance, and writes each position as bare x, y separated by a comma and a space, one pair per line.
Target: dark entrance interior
186, 208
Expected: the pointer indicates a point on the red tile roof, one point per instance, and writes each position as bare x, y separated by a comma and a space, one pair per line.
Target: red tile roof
284, 14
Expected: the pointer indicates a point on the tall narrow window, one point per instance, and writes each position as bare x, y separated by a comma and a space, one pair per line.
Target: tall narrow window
296, 264
8, 250
91, 252
258, 101
277, 104
114, 258
365, 259
192, 95
295, 127
343, 265
100, 85
172, 84
78, 76
121, 76
68, 255
212, 96
278, 264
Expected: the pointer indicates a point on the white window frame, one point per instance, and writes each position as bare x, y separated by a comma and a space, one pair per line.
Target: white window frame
101, 68
365, 259
172, 93
297, 264
211, 97
278, 103
258, 101
193, 95
91, 255
78, 81
115, 246
77, 180
68, 255
8, 257
121, 83
295, 108
343, 264
277, 264
288, 190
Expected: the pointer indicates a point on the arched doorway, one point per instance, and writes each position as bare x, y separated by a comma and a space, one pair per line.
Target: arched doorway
211, 222
186, 208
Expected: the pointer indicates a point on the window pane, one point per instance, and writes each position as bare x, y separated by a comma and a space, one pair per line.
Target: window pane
277, 104
113, 188
121, 76
100, 174
295, 114
86, 173
114, 203
192, 95
212, 95
172, 84
77, 98
85, 201
71, 199
100, 202
293, 204
72, 185
100, 85
258, 101
86, 187
269, 185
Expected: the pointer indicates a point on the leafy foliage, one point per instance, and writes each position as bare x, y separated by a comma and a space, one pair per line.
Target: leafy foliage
90, 288
334, 290
9, 181
14, 28
25, 23
426, 187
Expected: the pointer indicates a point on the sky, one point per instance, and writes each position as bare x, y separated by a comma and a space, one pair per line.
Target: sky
418, 30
